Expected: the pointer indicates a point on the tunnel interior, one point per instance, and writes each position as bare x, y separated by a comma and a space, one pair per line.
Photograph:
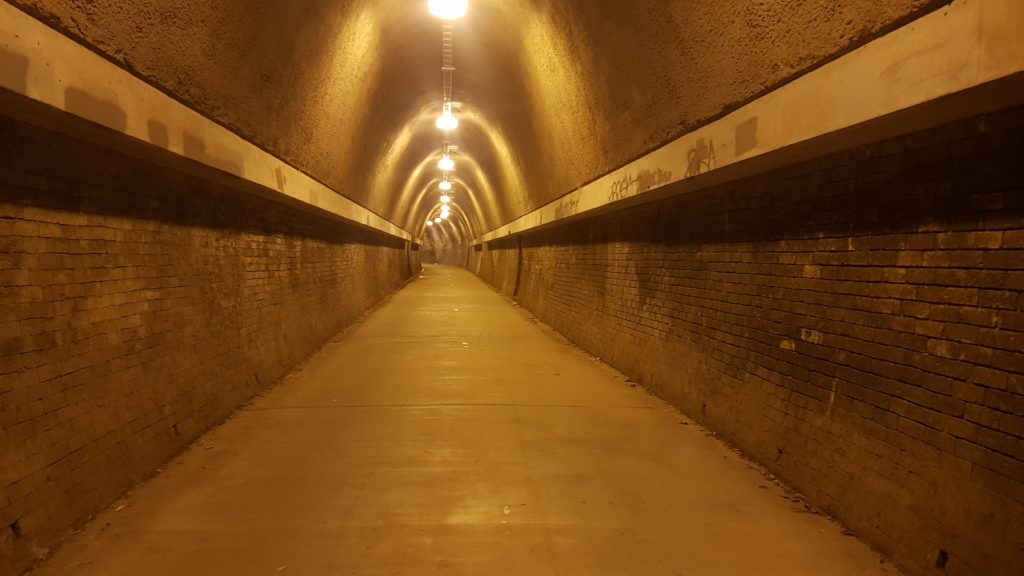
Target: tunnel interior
800, 222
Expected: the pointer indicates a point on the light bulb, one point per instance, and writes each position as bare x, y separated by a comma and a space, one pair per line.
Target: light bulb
445, 185
445, 199
446, 121
437, 220
430, 222
444, 215
446, 164
448, 9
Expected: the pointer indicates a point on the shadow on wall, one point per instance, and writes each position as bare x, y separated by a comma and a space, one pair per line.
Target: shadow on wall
13, 71
101, 106
105, 111
224, 159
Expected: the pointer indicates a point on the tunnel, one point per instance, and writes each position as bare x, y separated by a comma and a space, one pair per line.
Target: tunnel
680, 287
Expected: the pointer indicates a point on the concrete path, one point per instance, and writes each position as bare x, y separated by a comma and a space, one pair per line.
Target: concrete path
450, 434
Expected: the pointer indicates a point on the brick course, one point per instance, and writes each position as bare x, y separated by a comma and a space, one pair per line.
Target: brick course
139, 306
855, 323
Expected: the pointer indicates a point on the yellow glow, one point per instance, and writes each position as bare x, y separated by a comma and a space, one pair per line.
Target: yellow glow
447, 121
446, 164
445, 185
419, 185
437, 220
430, 222
446, 199
448, 9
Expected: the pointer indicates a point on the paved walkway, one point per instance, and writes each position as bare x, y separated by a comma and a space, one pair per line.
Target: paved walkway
450, 434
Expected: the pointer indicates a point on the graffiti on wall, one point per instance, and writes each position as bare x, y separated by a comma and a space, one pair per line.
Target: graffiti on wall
700, 158
567, 207
641, 181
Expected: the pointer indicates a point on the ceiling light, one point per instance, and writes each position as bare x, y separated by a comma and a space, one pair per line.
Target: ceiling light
448, 9
445, 199
444, 215
445, 185
447, 121
446, 164
437, 220
430, 222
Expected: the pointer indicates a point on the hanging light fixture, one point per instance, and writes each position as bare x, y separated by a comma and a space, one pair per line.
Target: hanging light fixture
447, 121
448, 9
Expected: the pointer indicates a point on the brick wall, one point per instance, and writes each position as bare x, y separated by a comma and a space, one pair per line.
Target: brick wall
855, 323
138, 307
498, 263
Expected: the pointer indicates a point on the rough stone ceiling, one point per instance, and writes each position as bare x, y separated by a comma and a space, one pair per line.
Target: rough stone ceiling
555, 92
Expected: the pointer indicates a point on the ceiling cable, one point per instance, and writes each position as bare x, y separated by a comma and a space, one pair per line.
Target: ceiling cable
447, 11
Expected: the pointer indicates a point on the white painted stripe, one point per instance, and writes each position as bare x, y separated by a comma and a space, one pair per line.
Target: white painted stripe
967, 44
46, 66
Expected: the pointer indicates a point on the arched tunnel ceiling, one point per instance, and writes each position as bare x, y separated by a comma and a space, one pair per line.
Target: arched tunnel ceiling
555, 92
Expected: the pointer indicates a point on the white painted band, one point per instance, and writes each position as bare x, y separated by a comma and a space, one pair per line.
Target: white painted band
47, 67
967, 44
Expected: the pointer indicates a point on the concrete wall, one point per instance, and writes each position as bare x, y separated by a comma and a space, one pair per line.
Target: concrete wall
557, 92
139, 306
854, 322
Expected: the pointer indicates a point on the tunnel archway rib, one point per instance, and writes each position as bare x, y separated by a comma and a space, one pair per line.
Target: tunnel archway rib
461, 193
457, 219
485, 165
417, 203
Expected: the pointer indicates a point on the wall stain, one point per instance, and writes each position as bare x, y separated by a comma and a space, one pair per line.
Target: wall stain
281, 178
746, 136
